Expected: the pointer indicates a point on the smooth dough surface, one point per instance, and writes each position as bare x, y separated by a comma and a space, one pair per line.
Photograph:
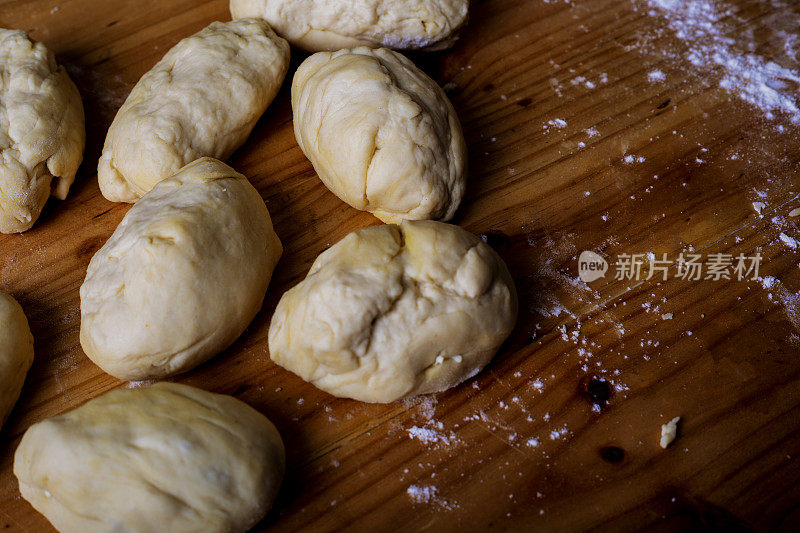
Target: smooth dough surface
181, 277
395, 311
316, 25
202, 99
16, 353
166, 458
42, 134
380, 133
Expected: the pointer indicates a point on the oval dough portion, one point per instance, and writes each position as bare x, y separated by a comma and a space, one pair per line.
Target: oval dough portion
202, 99
395, 311
16, 353
333, 24
181, 277
167, 458
42, 134
380, 133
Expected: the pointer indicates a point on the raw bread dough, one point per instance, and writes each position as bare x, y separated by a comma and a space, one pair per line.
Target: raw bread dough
380, 133
168, 458
16, 353
202, 99
181, 277
395, 311
41, 130
333, 24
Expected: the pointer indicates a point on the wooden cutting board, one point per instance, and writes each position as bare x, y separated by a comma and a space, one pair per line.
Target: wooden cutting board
601, 125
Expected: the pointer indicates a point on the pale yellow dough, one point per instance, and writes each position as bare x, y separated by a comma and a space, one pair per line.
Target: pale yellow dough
202, 99
42, 133
381, 134
315, 25
16, 353
395, 311
169, 458
181, 277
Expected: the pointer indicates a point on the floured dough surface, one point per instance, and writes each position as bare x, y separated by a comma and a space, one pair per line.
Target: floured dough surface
16, 353
167, 458
333, 24
380, 133
395, 311
181, 277
42, 133
202, 99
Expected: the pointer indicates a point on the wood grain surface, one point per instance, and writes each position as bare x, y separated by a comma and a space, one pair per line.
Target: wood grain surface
561, 431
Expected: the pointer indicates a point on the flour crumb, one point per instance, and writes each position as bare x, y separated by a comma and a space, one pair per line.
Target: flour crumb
669, 431
656, 76
788, 241
630, 159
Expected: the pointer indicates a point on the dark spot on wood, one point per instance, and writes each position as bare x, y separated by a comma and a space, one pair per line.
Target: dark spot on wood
241, 389
525, 102
597, 390
90, 246
112, 23
497, 240
103, 213
612, 454
664, 104
488, 87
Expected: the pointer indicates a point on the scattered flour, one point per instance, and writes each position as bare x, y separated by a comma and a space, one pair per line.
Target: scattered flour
788, 299
707, 30
428, 494
432, 435
655, 76
559, 123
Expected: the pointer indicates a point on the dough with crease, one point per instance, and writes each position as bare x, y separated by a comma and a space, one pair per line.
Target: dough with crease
181, 277
16, 353
395, 311
167, 458
380, 133
333, 24
41, 130
202, 99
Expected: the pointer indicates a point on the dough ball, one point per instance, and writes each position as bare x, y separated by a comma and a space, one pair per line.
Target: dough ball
202, 99
41, 130
167, 458
395, 311
380, 133
16, 353
181, 277
402, 24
